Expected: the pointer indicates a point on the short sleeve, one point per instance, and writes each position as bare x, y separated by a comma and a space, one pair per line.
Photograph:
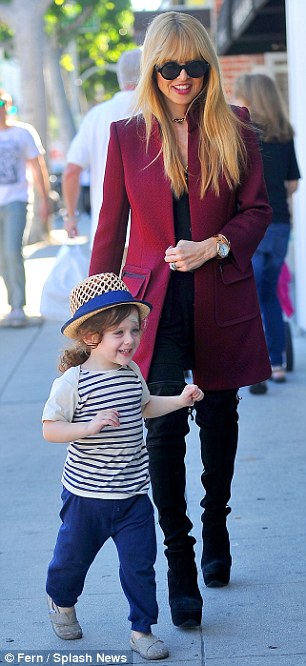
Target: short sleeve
145, 391
33, 144
62, 401
79, 149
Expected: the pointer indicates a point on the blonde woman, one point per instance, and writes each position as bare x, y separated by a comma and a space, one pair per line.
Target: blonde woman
188, 168
261, 96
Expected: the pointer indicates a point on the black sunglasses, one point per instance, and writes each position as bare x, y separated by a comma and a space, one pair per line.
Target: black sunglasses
194, 68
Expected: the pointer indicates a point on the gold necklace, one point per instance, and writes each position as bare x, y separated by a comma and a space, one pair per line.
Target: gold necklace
178, 120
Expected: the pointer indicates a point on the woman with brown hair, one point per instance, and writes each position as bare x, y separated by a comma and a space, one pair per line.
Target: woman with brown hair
187, 167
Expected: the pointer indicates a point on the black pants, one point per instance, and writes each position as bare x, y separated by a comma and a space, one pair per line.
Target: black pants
217, 418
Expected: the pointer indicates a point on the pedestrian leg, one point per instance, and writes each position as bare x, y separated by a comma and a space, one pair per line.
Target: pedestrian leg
79, 539
135, 540
217, 417
167, 449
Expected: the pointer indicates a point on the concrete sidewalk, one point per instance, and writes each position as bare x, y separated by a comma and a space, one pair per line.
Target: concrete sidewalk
259, 620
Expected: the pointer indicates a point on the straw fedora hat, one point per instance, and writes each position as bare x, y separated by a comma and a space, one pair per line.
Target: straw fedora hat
96, 293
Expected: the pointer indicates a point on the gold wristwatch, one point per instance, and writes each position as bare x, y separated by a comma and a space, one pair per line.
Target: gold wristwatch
223, 246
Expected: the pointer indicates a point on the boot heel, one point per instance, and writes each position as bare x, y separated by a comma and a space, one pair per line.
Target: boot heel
184, 596
186, 612
218, 578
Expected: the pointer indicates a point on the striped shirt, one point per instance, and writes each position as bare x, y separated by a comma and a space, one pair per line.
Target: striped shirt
114, 463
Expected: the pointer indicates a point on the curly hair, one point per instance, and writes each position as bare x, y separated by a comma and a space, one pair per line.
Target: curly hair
97, 324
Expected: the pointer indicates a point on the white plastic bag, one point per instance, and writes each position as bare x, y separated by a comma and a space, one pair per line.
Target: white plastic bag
71, 266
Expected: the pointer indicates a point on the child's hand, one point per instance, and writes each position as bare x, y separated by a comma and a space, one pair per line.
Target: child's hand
190, 395
103, 418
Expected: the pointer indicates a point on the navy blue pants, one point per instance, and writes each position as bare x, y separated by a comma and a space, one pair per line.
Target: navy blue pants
87, 523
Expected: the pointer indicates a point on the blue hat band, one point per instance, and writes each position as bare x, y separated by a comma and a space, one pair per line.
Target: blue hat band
103, 300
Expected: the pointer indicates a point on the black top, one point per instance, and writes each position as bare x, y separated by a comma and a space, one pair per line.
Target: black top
181, 216
175, 336
182, 228
280, 164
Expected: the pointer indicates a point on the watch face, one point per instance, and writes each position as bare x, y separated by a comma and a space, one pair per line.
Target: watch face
223, 250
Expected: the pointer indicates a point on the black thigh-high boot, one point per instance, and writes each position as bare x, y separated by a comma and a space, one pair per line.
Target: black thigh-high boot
218, 421
167, 449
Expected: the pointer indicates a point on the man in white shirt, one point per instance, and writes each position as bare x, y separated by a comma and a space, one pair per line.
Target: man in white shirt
21, 151
89, 146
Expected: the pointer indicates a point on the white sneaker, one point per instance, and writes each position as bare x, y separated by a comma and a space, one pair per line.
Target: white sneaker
16, 318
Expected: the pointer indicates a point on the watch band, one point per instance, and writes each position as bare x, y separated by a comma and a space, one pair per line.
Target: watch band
223, 246
223, 239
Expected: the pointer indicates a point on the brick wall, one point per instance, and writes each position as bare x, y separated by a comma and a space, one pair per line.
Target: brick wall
233, 66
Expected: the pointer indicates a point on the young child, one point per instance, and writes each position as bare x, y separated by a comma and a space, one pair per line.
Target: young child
97, 405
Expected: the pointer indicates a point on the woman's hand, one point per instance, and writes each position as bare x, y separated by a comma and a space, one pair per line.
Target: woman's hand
189, 255
191, 394
105, 417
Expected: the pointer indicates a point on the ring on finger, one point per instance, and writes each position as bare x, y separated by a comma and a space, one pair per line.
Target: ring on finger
173, 266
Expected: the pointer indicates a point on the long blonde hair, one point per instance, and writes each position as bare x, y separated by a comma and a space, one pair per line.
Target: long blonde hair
181, 37
260, 94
